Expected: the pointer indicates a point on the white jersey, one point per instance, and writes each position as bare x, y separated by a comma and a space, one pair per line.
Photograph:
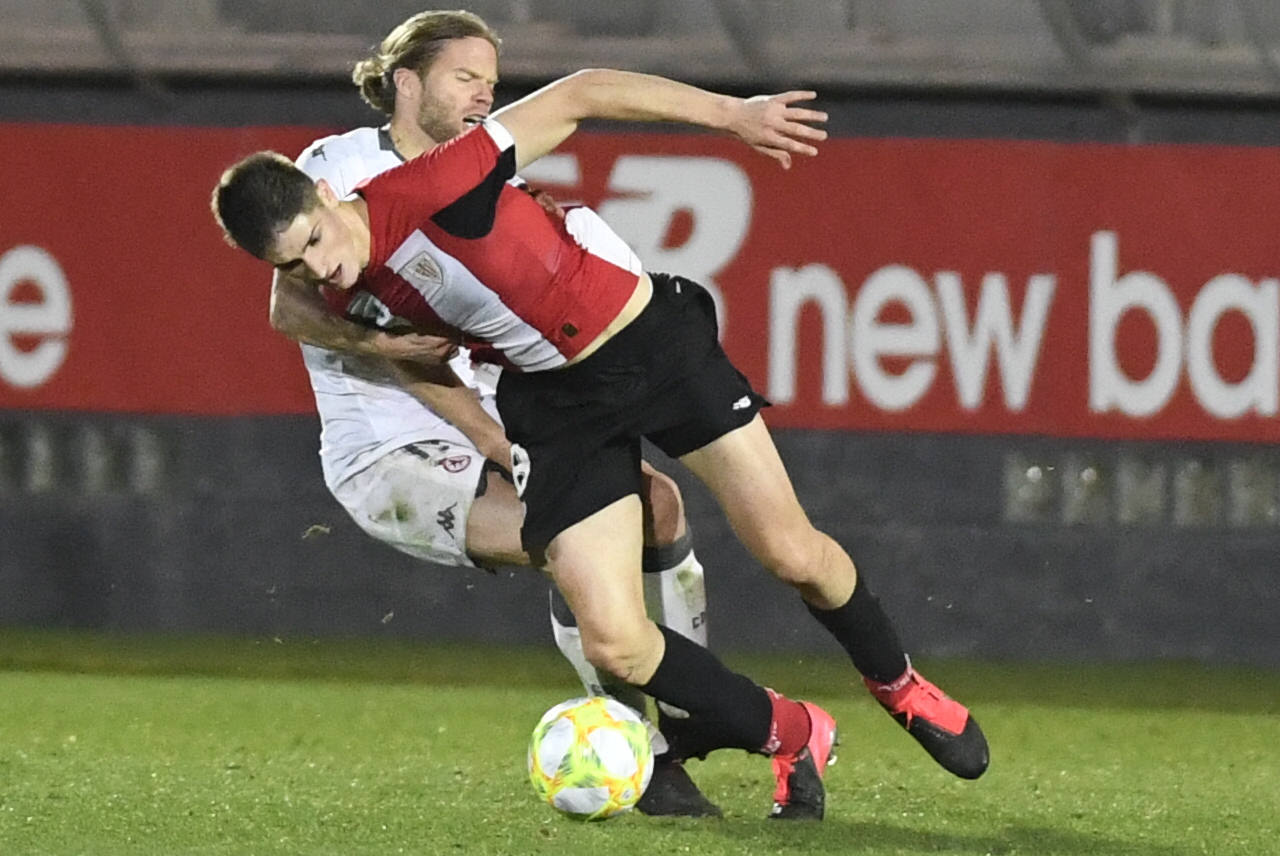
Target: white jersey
364, 412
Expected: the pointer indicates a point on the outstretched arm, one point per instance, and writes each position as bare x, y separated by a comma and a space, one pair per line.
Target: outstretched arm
299, 312
541, 121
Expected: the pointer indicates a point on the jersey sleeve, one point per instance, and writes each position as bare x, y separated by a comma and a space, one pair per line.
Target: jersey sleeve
330, 160
458, 183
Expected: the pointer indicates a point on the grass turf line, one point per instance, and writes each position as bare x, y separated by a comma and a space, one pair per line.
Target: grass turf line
146, 746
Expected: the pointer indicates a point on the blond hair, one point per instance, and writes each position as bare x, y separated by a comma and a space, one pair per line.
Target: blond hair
414, 44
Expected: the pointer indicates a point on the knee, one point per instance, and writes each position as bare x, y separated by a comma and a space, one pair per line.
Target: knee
627, 653
802, 556
663, 509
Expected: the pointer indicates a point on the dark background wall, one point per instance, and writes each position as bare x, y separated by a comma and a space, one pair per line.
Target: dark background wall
993, 547
225, 527
879, 113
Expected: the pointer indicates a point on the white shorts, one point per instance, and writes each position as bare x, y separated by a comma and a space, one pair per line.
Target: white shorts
417, 499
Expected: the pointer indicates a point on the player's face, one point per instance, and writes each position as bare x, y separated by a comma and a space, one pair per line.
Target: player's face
322, 246
457, 91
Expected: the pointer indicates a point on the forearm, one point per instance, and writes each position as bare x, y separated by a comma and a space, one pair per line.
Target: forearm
603, 93
771, 124
541, 121
441, 390
299, 312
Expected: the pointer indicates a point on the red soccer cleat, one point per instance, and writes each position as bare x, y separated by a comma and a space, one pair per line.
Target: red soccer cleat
942, 725
799, 794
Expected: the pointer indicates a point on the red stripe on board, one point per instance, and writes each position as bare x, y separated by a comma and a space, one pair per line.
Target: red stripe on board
907, 285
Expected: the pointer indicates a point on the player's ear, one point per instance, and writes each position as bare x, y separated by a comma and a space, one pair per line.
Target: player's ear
328, 195
407, 81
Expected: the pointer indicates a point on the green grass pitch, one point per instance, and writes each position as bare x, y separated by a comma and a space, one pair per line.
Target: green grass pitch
146, 746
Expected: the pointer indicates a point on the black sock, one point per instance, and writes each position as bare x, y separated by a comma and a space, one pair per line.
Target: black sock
866, 633
688, 737
726, 710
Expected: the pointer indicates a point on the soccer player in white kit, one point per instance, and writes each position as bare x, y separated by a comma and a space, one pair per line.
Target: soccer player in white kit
409, 450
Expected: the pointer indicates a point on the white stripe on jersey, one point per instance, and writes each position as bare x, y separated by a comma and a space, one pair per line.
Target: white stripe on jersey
589, 231
474, 282
469, 304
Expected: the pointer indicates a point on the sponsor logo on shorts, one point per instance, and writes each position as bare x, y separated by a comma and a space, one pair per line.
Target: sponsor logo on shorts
446, 519
742, 403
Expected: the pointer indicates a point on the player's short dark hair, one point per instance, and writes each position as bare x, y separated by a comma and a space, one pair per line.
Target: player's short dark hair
414, 43
258, 198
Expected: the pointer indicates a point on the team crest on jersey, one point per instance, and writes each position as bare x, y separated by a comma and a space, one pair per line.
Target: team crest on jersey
454, 463
423, 270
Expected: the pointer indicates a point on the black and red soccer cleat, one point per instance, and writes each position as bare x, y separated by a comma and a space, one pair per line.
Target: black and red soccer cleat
671, 793
799, 793
942, 725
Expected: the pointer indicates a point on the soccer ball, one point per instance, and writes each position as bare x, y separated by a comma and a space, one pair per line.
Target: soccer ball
590, 758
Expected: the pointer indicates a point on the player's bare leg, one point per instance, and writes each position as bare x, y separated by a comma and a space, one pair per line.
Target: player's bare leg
674, 584
675, 595
493, 526
595, 564
746, 474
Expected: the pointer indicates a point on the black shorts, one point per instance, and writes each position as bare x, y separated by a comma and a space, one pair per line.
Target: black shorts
664, 377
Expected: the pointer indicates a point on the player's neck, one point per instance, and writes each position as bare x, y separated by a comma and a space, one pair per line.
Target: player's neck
409, 139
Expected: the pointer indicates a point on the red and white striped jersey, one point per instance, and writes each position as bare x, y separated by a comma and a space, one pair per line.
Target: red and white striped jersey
453, 242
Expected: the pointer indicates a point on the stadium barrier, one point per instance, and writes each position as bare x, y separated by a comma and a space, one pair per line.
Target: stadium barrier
1038, 402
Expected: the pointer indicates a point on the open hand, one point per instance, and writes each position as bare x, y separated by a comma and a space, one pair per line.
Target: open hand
776, 129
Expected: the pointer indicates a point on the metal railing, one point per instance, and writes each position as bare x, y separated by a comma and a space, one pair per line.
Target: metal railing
1216, 47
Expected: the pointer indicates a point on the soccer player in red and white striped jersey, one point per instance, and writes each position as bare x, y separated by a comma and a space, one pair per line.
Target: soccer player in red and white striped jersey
602, 360
393, 439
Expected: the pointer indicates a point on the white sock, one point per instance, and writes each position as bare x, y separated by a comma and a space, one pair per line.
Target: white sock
569, 641
675, 595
